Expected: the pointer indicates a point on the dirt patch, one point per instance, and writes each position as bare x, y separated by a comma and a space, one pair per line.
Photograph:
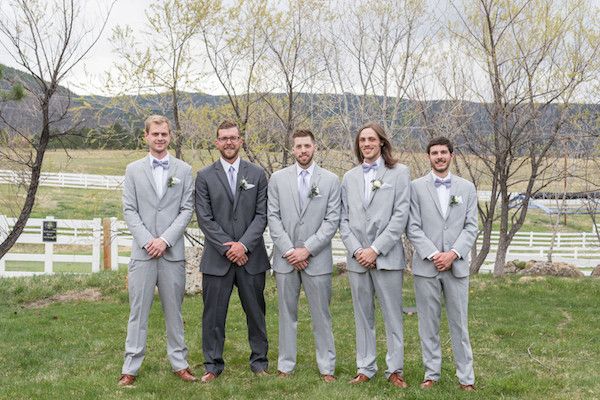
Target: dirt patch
82, 295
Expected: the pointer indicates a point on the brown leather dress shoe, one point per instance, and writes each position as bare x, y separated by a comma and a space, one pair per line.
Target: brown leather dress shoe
427, 384
208, 377
126, 380
261, 373
186, 375
398, 380
281, 374
467, 388
360, 378
328, 378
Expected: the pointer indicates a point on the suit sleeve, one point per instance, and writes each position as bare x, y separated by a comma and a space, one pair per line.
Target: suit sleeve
466, 239
321, 238
414, 230
391, 235
254, 232
213, 233
280, 238
131, 211
350, 241
177, 227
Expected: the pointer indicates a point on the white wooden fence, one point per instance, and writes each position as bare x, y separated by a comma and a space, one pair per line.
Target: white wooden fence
581, 249
62, 179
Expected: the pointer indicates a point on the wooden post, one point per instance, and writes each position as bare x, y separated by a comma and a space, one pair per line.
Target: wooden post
106, 240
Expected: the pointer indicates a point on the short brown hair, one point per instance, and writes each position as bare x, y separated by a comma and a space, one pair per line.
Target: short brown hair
440, 141
156, 119
303, 133
226, 125
386, 147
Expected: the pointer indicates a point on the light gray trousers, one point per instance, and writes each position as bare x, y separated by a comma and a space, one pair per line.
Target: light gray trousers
318, 293
143, 277
428, 295
387, 286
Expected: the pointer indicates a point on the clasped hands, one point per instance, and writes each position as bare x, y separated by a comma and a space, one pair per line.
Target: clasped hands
236, 253
298, 257
156, 247
366, 257
443, 261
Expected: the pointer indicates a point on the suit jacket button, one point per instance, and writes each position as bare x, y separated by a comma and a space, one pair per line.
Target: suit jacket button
301, 222
235, 218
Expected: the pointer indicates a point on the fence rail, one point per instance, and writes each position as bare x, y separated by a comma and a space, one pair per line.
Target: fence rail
581, 249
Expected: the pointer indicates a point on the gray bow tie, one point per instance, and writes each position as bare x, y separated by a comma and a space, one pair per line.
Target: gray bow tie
438, 182
158, 163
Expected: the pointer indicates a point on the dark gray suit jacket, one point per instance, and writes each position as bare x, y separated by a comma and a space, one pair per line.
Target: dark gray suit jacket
223, 218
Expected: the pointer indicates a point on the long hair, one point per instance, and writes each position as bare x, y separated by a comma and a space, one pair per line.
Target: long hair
386, 145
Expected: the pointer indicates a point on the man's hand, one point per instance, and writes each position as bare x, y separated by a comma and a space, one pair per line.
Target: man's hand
236, 253
156, 247
443, 261
367, 258
298, 258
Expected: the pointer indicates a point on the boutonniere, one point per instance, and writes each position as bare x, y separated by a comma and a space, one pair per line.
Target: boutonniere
455, 200
376, 184
314, 191
173, 181
244, 185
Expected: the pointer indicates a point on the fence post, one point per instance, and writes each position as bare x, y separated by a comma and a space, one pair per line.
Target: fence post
96, 242
3, 234
114, 244
106, 243
48, 250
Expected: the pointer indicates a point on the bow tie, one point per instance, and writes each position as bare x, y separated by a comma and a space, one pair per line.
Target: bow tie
158, 163
438, 182
367, 167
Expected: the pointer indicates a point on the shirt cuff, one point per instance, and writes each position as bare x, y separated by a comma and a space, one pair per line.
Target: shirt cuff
430, 257
166, 241
357, 251
456, 252
375, 250
245, 248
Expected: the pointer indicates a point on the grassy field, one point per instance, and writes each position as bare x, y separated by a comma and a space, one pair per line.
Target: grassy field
532, 339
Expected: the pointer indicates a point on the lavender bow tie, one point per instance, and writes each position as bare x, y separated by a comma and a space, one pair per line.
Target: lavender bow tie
367, 167
158, 163
438, 182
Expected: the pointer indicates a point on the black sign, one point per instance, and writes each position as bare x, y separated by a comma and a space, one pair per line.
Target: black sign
49, 231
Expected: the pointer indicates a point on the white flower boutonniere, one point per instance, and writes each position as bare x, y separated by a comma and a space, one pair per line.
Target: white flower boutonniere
376, 184
173, 181
244, 185
314, 192
455, 200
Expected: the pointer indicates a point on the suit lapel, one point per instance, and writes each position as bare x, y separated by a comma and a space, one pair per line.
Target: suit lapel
452, 192
314, 181
378, 177
434, 196
240, 175
171, 172
221, 176
147, 168
293, 185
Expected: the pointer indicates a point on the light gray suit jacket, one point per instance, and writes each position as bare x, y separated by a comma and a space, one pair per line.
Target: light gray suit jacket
429, 231
148, 216
312, 227
382, 222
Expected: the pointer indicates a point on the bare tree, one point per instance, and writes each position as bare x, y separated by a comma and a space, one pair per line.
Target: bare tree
47, 39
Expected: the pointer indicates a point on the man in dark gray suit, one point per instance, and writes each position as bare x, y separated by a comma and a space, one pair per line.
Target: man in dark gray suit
442, 228
375, 206
231, 206
157, 206
303, 215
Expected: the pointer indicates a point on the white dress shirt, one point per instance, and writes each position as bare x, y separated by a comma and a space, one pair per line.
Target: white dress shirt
369, 177
236, 168
444, 197
160, 179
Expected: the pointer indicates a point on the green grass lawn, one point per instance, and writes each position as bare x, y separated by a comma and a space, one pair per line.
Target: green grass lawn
532, 339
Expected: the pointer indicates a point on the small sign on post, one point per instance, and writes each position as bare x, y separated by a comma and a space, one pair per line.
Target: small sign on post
49, 231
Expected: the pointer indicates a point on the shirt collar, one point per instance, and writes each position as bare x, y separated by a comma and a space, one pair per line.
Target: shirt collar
310, 169
226, 165
448, 177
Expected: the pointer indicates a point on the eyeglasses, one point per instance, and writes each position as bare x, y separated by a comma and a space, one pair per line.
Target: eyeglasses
233, 139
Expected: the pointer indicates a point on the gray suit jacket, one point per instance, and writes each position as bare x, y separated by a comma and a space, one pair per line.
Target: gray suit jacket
312, 227
148, 216
429, 231
382, 222
223, 218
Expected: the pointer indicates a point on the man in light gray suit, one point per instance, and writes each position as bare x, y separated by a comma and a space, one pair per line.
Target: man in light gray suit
231, 206
157, 206
375, 206
303, 215
442, 228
